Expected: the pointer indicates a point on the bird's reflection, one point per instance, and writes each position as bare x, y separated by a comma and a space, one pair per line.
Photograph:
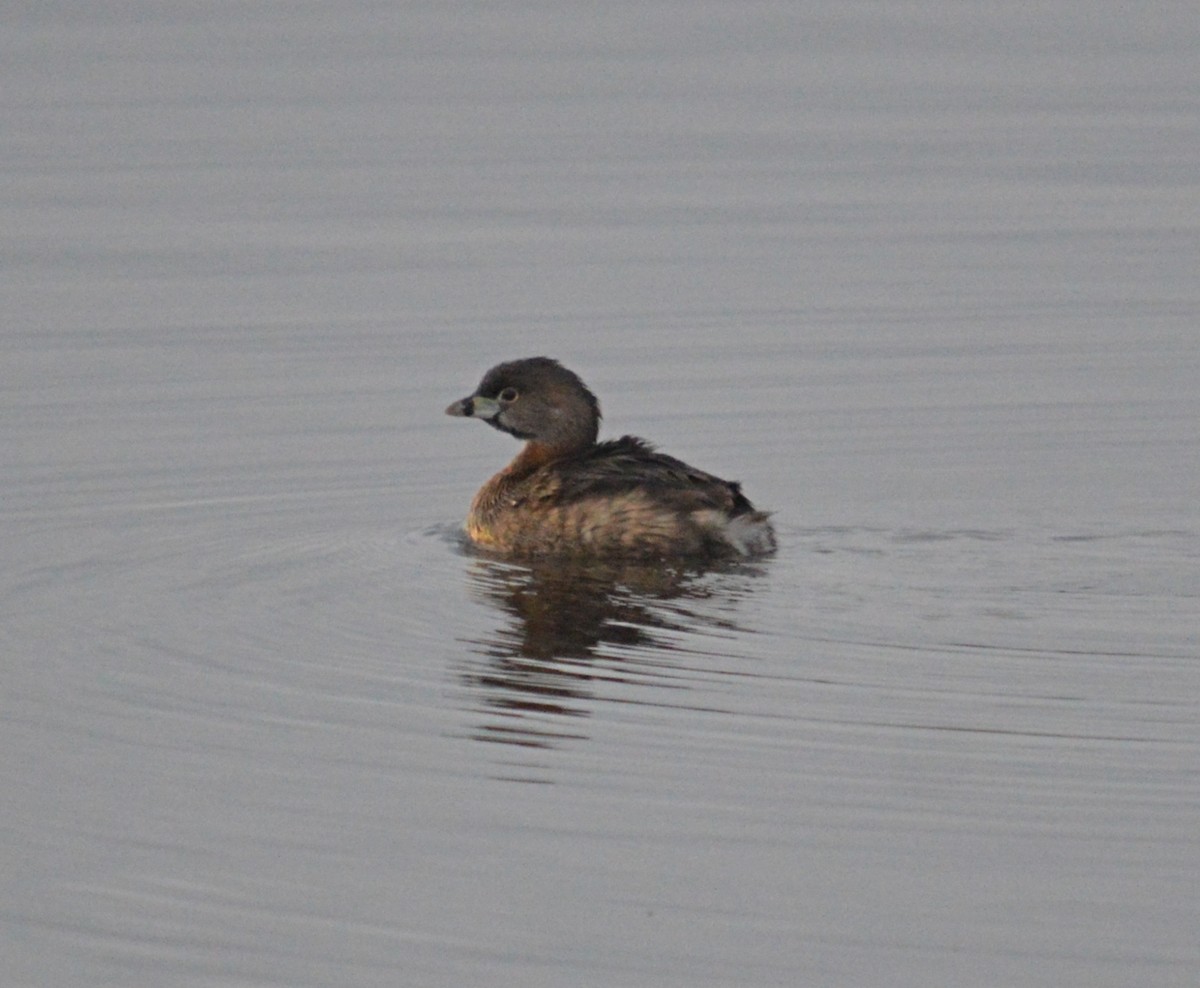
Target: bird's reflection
535, 677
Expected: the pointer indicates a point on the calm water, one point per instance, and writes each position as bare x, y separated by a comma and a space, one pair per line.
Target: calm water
924, 278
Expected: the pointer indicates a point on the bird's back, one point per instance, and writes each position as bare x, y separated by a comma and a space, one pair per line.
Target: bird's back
620, 497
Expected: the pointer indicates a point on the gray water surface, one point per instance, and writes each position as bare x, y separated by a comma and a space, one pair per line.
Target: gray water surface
922, 277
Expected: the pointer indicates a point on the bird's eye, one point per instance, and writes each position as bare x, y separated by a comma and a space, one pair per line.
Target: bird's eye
508, 394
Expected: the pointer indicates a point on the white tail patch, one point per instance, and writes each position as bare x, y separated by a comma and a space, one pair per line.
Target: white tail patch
750, 534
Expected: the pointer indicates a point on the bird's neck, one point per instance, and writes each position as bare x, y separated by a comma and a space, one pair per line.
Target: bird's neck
532, 457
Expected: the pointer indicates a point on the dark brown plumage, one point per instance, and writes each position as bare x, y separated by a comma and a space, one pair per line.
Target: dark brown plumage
566, 493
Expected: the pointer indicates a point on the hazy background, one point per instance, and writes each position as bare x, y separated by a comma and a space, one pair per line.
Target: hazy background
922, 276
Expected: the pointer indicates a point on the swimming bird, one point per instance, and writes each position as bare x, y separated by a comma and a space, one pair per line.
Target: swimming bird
566, 493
